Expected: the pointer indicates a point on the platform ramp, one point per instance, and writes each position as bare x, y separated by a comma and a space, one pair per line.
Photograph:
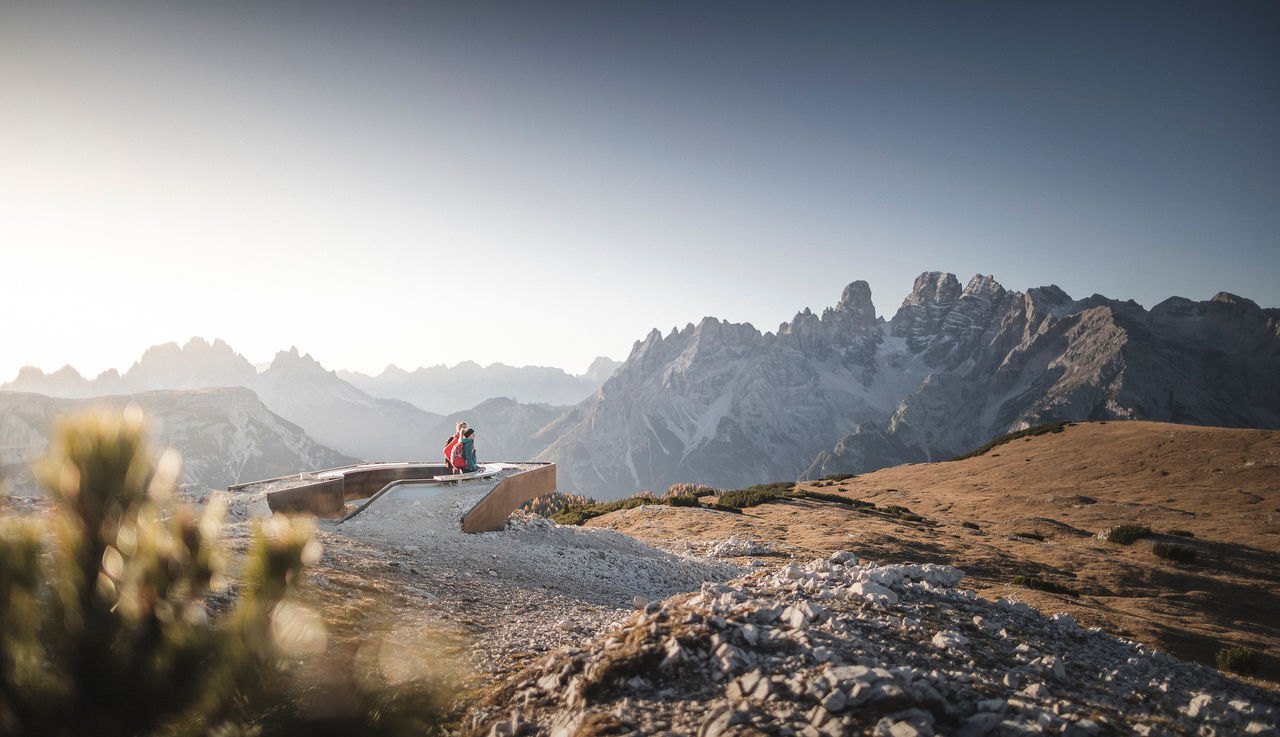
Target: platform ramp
343, 493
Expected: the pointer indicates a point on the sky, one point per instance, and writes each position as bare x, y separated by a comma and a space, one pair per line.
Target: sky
542, 183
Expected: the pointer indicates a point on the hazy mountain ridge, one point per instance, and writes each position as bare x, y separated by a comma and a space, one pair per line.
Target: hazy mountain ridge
446, 390
225, 435
725, 404
332, 410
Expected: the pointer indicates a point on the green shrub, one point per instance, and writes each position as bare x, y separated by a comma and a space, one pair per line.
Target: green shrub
1032, 582
755, 495
1127, 534
104, 627
837, 477
577, 514
1238, 660
822, 497
1176, 553
902, 513
1030, 535
1182, 533
1009, 437
970, 525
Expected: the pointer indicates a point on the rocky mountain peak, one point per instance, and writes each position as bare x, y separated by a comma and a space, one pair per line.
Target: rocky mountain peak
293, 360
1227, 298
1051, 299
934, 288
601, 369
983, 286
855, 306
195, 365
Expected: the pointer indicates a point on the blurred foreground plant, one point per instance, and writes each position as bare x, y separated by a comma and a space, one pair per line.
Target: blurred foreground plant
103, 628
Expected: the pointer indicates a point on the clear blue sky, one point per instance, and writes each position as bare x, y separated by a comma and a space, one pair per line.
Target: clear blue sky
354, 178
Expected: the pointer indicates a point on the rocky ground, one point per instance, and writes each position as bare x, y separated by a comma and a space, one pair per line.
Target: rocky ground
1034, 508
404, 572
839, 647
707, 623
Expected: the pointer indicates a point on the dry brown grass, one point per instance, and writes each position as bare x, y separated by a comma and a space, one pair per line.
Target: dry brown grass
1222, 485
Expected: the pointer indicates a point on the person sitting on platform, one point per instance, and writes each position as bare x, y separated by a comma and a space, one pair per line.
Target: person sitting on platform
469, 450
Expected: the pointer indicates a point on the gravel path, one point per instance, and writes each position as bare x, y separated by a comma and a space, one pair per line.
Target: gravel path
533, 587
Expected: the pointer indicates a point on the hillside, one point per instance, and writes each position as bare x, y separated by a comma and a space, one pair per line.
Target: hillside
1220, 485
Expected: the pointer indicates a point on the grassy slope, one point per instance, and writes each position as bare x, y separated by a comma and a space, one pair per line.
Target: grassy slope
1222, 485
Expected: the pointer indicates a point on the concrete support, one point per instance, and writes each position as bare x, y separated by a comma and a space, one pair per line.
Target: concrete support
492, 511
327, 496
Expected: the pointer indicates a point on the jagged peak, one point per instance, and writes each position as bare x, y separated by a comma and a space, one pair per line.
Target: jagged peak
30, 372
856, 297
292, 358
983, 286
1234, 299
934, 287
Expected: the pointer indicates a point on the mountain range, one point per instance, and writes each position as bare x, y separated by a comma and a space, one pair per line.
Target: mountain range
446, 390
225, 435
381, 425
848, 392
721, 403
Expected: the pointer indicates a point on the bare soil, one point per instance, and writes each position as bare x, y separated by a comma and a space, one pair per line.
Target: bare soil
1220, 485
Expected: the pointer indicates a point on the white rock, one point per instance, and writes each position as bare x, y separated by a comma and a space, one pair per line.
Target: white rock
949, 639
1065, 621
1198, 704
844, 558
835, 701
873, 593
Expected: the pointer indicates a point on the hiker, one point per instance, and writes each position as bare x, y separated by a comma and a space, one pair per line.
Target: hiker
453, 457
469, 451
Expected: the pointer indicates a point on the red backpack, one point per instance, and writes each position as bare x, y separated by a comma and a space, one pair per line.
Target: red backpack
453, 453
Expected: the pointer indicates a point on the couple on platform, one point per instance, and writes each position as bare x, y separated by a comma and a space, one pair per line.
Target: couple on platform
460, 450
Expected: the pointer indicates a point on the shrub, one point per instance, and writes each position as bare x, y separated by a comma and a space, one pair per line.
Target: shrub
577, 514
1127, 534
1176, 553
104, 627
1030, 535
1033, 582
1182, 533
1009, 437
687, 489
549, 505
1238, 660
823, 497
837, 477
970, 525
902, 513
755, 495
